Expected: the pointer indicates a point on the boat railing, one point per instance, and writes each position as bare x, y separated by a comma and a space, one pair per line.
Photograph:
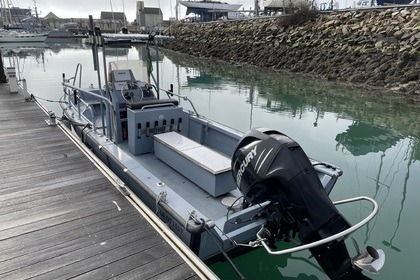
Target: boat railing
88, 107
77, 71
108, 104
338, 236
170, 93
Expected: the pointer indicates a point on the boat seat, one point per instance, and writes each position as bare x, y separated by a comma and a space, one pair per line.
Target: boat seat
152, 103
207, 168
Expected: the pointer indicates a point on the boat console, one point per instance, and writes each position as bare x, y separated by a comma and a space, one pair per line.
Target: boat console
150, 120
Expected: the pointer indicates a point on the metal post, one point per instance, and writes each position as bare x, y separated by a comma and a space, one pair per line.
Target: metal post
157, 64
11, 75
26, 94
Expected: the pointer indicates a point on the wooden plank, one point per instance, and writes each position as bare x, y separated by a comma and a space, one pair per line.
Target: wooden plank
168, 267
152, 260
81, 260
75, 204
28, 221
58, 194
61, 217
142, 252
50, 198
44, 238
43, 173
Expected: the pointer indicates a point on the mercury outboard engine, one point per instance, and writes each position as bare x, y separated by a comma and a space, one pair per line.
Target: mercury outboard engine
269, 166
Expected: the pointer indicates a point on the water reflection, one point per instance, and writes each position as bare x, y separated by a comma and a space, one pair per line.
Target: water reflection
295, 95
407, 156
202, 80
375, 137
362, 138
117, 51
23, 48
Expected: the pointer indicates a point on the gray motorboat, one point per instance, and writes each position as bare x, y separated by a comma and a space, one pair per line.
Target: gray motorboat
216, 188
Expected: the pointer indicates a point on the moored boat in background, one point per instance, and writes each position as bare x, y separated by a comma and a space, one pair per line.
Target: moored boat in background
208, 10
210, 5
13, 36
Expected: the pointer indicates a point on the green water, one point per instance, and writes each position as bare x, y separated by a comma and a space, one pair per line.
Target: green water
374, 138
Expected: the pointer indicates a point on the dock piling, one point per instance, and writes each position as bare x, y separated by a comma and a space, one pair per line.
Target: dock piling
26, 94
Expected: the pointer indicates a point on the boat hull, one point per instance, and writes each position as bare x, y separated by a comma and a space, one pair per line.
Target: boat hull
210, 5
10, 38
279, 4
173, 210
393, 2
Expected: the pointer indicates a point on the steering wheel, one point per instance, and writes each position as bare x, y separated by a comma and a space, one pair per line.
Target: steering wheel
131, 92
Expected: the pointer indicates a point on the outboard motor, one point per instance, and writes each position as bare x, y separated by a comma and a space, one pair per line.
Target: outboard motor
269, 166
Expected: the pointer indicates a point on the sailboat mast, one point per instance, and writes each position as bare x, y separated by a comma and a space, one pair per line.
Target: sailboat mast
113, 19
125, 19
177, 10
36, 10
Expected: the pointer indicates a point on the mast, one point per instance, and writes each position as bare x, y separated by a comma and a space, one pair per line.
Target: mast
125, 19
113, 19
36, 11
177, 10
256, 7
8, 14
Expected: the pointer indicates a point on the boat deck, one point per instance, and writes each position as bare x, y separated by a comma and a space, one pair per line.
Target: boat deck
62, 218
194, 195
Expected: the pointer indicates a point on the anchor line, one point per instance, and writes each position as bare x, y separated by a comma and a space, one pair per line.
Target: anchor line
48, 100
234, 267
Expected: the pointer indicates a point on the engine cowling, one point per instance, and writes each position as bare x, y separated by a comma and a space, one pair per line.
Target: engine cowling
269, 166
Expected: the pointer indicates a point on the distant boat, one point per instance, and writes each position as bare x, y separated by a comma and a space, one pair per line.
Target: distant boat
209, 5
280, 4
15, 36
60, 33
394, 2
370, 3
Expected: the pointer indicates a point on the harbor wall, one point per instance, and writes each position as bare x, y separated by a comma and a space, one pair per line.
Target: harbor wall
372, 48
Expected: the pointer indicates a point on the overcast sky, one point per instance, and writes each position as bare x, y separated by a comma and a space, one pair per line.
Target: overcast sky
84, 8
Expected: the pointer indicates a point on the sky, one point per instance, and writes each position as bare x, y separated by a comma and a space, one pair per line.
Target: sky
84, 8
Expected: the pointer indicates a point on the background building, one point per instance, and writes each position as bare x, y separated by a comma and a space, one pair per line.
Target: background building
148, 18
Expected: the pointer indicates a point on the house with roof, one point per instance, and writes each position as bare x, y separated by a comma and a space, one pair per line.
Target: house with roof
113, 21
148, 18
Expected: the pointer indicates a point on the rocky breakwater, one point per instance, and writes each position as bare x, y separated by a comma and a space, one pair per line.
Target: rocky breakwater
378, 48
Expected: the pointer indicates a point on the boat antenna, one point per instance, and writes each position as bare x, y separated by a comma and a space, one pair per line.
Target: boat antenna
95, 37
96, 40
149, 60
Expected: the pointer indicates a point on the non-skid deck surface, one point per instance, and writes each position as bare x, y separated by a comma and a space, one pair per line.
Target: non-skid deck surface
60, 218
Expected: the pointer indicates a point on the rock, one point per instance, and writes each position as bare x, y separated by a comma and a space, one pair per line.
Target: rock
340, 46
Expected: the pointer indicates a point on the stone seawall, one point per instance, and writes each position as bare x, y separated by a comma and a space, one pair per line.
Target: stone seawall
379, 48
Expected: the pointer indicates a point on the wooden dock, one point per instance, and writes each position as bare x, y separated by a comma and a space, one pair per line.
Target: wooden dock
62, 218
